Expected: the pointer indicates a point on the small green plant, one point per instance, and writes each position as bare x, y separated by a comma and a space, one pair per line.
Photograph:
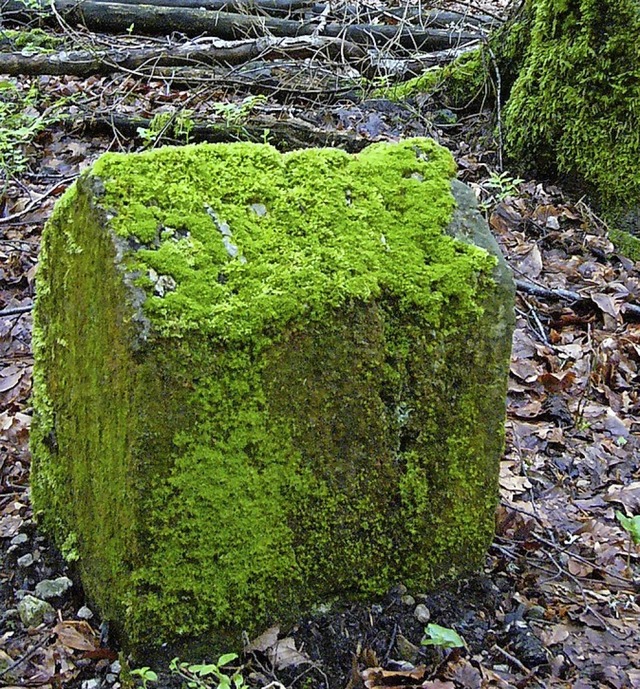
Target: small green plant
210, 675
164, 124
31, 41
632, 526
443, 637
236, 114
503, 185
146, 674
23, 115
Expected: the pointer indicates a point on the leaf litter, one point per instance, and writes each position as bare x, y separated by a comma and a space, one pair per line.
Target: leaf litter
557, 604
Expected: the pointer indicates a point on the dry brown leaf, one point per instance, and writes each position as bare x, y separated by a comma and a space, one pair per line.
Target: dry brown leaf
285, 654
557, 382
78, 636
629, 496
555, 635
265, 641
608, 304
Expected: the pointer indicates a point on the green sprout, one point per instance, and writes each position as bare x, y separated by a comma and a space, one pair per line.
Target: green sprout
632, 526
209, 675
146, 674
443, 637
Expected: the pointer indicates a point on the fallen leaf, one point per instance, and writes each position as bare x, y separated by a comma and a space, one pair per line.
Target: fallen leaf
629, 496
265, 641
79, 637
557, 382
285, 654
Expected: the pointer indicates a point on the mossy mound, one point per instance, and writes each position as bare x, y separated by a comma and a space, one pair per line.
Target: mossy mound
265, 380
575, 106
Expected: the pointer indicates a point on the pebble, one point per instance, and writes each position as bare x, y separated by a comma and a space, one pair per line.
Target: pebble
408, 600
84, 613
32, 610
535, 612
422, 613
25, 560
407, 650
91, 684
115, 667
52, 588
110, 678
19, 539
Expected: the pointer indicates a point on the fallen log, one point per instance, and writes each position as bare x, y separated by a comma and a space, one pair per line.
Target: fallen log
434, 18
82, 63
286, 135
112, 17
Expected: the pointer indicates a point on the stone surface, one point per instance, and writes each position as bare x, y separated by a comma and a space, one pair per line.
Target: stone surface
422, 613
265, 381
32, 610
26, 560
84, 613
52, 588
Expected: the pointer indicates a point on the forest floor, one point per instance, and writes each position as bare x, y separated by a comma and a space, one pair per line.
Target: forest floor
557, 603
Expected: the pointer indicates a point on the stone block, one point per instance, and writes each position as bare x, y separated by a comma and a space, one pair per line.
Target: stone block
267, 381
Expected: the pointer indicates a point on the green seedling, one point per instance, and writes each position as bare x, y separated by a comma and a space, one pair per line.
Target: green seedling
632, 526
207, 676
146, 674
442, 637
504, 185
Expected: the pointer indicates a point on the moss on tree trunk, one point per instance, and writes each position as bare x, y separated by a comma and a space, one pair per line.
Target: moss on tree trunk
574, 108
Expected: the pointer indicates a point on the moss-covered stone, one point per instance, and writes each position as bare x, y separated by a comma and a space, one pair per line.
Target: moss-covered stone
266, 380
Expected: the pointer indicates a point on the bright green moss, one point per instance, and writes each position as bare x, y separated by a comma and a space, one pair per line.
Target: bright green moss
33, 40
264, 381
575, 107
456, 85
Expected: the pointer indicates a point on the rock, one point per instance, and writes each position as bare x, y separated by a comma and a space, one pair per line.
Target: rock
19, 539
535, 612
407, 651
422, 613
408, 600
52, 588
115, 667
32, 610
84, 613
246, 361
26, 560
91, 684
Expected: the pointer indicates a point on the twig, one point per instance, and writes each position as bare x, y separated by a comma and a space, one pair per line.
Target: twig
16, 310
564, 294
25, 656
498, 105
36, 202
512, 659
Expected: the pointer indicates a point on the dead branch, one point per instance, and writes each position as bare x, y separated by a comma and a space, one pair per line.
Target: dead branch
82, 63
113, 17
286, 135
566, 295
435, 18
15, 311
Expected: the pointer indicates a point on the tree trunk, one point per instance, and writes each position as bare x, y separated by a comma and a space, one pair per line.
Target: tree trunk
571, 82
